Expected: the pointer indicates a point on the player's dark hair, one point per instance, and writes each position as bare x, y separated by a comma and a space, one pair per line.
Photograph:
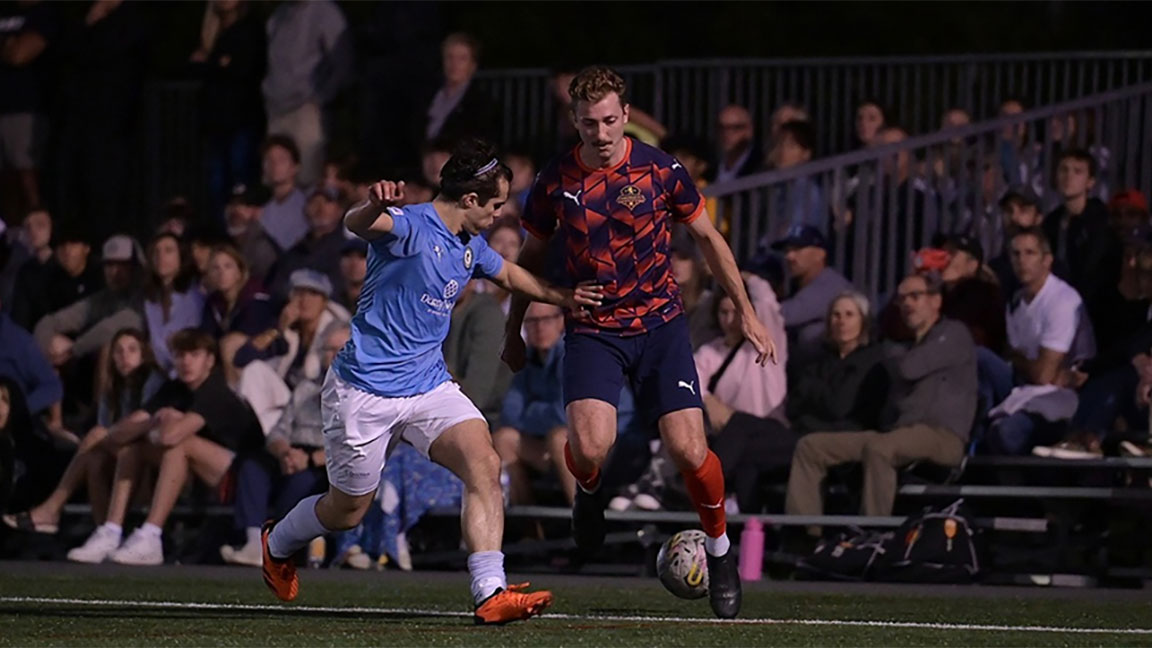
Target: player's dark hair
473, 168
801, 132
282, 141
1081, 155
594, 83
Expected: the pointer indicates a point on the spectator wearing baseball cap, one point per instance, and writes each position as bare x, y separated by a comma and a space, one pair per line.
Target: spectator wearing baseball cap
242, 215
1019, 209
353, 268
65, 278
813, 287
1128, 210
320, 249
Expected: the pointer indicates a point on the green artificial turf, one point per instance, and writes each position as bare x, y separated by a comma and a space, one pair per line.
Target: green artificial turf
587, 601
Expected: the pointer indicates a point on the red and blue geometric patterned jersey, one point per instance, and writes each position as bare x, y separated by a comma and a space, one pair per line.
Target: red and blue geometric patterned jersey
617, 229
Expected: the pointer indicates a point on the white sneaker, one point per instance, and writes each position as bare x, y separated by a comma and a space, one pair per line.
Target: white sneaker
97, 547
355, 558
250, 555
139, 549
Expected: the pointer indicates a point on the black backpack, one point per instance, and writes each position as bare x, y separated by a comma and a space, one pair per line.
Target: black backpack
938, 546
849, 556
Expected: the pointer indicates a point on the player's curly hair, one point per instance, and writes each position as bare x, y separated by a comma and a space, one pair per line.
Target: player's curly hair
473, 168
594, 83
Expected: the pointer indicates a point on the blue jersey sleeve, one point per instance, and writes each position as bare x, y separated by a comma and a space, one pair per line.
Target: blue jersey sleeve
401, 241
488, 262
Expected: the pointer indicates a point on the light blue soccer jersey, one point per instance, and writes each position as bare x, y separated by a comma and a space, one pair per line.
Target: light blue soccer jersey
415, 274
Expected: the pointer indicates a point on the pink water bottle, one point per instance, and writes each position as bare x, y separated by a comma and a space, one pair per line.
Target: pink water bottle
752, 550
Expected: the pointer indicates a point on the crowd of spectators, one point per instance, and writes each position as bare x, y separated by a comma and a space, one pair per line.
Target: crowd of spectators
194, 361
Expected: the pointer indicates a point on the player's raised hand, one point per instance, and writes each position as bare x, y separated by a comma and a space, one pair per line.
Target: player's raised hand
755, 332
515, 355
386, 193
587, 293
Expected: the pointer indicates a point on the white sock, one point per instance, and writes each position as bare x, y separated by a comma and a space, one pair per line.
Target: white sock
253, 535
487, 569
112, 527
151, 530
297, 529
717, 546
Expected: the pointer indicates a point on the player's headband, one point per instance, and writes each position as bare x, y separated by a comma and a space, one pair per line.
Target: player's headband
486, 168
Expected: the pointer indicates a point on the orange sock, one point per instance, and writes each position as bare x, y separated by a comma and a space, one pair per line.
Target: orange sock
706, 488
588, 481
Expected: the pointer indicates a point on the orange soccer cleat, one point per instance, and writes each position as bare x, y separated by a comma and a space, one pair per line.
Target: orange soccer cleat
279, 573
512, 604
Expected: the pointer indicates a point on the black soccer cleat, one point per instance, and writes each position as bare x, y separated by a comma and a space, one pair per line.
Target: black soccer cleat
588, 526
724, 590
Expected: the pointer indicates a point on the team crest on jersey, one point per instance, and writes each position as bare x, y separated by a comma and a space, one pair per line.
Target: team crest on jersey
467, 258
630, 196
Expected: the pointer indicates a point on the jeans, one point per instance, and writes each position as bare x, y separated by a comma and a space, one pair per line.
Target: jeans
258, 477
1018, 433
1106, 396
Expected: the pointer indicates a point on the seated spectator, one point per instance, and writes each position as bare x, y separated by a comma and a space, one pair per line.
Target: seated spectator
193, 424
693, 155
353, 269
276, 360
1128, 211
930, 408
134, 378
1048, 333
871, 118
506, 238
844, 386
739, 153
319, 250
459, 109
802, 201
1020, 209
1020, 158
533, 424
689, 273
292, 466
471, 351
202, 242
955, 118
283, 215
83, 328
242, 216
22, 362
171, 300
176, 217
65, 278
743, 400
1079, 232
894, 210
814, 286
13, 416
523, 174
237, 309
785, 113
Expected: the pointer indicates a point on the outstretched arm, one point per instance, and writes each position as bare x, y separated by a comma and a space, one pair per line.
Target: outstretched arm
723, 265
370, 219
518, 280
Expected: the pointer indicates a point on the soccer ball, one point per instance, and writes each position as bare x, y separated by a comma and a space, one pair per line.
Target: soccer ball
682, 565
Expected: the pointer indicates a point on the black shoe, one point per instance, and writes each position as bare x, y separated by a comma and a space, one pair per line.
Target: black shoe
588, 525
724, 590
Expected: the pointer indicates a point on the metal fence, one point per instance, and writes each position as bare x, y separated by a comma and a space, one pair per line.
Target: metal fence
879, 204
915, 90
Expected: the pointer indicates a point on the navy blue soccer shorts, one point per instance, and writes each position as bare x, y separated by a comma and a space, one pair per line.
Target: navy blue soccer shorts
658, 365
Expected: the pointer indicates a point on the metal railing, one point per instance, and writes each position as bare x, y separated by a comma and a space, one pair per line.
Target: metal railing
915, 90
877, 205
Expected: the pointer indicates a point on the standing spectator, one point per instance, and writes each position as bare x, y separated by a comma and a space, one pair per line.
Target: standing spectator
27, 31
283, 216
787, 112
1080, 235
133, 379
743, 400
471, 351
1048, 332
802, 201
172, 301
242, 216
871, 118
231, 107
739, 153
903, 198
320, 249
353, 270
1020, 209
814, 286
293, 464
932, 403
276, 360
1128, 211
1019, 158
459, 109
533, 424
309, 59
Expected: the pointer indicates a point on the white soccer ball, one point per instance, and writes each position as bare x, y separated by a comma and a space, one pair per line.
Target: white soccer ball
682, 565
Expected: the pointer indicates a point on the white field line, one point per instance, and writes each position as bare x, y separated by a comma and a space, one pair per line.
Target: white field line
186, 605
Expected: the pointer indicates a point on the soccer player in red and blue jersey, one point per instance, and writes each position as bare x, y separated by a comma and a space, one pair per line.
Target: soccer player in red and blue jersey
613, 201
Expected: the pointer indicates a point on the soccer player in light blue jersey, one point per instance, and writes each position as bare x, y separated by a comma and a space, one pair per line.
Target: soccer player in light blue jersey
390, 384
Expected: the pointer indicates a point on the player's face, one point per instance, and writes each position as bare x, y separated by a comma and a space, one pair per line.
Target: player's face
193, 367
126, 354
1029, 261
477, 217
601, 125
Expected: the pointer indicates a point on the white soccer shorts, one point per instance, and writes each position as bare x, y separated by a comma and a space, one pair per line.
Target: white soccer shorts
360, 429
